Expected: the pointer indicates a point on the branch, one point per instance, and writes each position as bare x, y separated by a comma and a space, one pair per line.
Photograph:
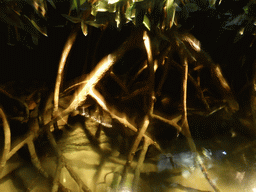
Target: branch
101, 69
173, 121
143, 152
115, 114
186, 131
198, 88
7, 141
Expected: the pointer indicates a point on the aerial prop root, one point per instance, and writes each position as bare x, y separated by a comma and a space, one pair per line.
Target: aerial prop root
185, 128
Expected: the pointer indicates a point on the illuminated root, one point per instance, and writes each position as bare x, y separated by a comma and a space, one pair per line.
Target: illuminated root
95, 76
7, 141
63, 59
198, 88
140, 91
10, 148
146, 144
221, 82
120, 83
186, 131
63, 163
146, 90
132, 153
34, 158
99, 71
171, 121
115, 114
164, 77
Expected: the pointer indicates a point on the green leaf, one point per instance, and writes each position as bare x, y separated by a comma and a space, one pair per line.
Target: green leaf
72, 19
40, 29
118, 18
75, 4
112, 8
246, 9
170, 9
78, 6
146, 22
102, 6
39, 6
84, 28
94, 10
10, 16
130, 12
113, 1
212, 3
93, 23
52, 3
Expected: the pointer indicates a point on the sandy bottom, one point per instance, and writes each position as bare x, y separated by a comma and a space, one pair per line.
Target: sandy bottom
102, 174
